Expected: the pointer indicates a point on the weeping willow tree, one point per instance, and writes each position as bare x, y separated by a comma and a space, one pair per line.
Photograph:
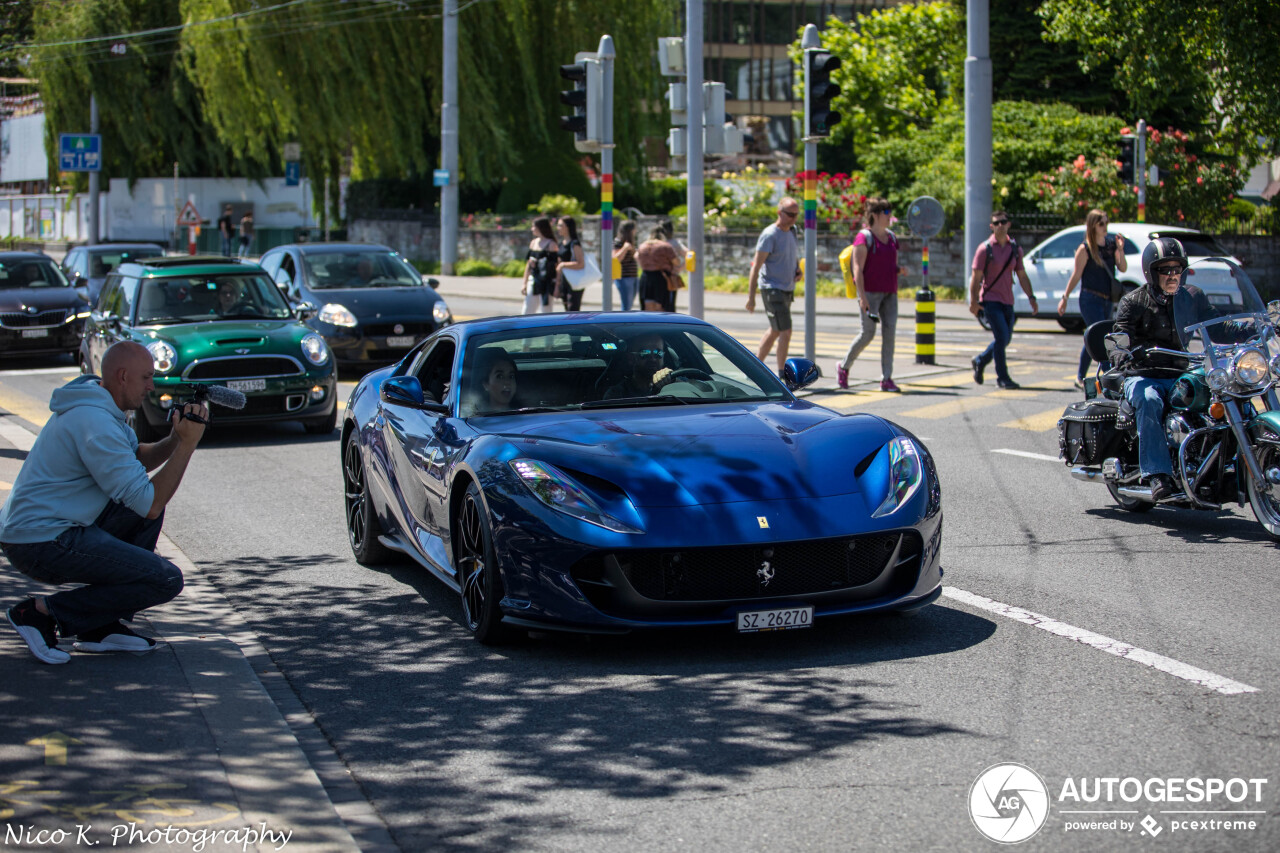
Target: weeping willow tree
150, 112
221, 85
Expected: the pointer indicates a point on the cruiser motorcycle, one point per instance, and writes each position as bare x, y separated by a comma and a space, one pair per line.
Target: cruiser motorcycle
1222, 422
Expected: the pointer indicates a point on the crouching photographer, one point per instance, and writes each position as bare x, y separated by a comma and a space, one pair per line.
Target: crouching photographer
83, 510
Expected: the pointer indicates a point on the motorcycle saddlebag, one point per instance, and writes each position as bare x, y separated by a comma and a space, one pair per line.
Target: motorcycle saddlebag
1087, 432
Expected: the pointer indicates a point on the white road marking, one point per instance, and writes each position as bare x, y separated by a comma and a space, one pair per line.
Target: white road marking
1178, 669
38, 371
1028, 454
16, 434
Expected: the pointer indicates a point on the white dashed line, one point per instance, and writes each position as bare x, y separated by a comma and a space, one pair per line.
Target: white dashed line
1178, 669
1027, 454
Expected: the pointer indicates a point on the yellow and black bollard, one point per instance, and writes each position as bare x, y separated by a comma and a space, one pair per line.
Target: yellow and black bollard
926, 314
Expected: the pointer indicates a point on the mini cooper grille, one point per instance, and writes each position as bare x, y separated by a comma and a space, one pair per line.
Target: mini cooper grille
243, 368
27, 321
794, 568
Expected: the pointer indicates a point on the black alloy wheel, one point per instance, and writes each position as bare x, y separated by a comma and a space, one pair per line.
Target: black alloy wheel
362, 523
478, 571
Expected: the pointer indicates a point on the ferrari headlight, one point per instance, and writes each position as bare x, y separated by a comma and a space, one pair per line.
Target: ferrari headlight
313, 347
440, 312
164, 356
337, 315
906, 473
557, 490
1250, 368
1217, 379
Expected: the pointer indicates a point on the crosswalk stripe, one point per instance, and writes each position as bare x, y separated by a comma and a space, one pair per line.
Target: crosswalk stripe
966, 404
1042, 422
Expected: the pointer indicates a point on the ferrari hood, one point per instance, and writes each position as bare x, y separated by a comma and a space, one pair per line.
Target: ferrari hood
702, 455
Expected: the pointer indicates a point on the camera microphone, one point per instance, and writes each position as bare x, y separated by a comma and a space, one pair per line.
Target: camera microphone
221, 395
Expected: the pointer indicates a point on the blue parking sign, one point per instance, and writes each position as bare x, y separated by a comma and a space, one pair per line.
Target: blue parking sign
292, 173
80, 152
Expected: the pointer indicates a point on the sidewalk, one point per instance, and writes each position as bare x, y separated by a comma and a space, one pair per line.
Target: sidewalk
159, 752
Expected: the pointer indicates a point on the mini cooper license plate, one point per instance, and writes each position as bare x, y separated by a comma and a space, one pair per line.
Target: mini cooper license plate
777, 619
400, 341
35, 333
247, 384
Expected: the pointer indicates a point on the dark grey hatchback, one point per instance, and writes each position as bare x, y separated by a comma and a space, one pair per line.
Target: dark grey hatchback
40, 312
368, 303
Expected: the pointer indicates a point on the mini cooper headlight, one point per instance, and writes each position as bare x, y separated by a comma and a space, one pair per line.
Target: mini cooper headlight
1250, 368
557, 490
314, 348
906, 473
1217, 379
440, 312
164, 356
337, 315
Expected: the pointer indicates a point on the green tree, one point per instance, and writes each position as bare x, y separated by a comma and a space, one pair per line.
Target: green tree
900, 70
1216, 58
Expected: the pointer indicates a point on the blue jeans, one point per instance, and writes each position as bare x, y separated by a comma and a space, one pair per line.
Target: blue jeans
626, 291
226, 246
1093, 309
1148, 396
1001, 318
115, 559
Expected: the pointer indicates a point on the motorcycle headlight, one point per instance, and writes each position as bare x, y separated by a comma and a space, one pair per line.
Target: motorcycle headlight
1275, 367
906, 473
440, 312
1217, 379
314, 348
164, 356
337, 315
1250, 368
557, 490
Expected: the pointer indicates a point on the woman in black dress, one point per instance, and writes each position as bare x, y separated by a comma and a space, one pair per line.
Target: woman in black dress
540, 267
571, 258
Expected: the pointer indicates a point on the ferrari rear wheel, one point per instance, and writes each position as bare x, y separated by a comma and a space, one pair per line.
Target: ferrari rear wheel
477, 571
362, 522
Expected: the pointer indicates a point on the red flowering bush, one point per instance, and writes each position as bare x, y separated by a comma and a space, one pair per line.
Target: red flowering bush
840, 197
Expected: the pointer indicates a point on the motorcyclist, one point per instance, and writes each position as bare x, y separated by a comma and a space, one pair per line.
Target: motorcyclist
1146, 316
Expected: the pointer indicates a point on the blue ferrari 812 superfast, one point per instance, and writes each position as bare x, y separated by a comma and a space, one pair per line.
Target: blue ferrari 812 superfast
614, 472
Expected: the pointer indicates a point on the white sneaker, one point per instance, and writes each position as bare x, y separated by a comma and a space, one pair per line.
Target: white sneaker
116, 637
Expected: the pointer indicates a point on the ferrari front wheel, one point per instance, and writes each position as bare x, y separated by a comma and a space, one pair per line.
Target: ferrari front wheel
477, 570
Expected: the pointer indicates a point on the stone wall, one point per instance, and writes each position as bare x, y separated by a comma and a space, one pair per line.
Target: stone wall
731, 254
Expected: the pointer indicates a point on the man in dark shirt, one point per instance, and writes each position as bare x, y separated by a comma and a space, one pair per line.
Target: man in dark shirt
645, 357
226, 230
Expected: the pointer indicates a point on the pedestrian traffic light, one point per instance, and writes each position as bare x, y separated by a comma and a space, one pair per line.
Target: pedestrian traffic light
819, 91
1128, 160
584, 97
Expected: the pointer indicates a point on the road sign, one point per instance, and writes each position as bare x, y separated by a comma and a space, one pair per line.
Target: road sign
925, 218
188, 216
440, 178
292, 151
80, 152
292, 173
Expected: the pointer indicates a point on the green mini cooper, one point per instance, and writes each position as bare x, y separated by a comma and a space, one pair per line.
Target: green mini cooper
220, 322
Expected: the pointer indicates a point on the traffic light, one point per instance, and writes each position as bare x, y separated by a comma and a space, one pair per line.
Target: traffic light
584, 97
1128, 160
819, 91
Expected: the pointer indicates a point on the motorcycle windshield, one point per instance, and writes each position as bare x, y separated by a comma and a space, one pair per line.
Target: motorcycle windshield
1216, 303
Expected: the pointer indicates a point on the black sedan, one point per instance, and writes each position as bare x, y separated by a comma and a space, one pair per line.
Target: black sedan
371, 305
40, 312
87, 266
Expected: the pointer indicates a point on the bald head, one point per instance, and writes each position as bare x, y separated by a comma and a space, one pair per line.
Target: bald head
127, 371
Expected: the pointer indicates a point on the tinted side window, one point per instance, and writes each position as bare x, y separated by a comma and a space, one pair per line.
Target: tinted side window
435, 370
107, 295
1062, 247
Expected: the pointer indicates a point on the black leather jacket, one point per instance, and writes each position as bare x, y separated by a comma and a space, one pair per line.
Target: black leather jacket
1150, 324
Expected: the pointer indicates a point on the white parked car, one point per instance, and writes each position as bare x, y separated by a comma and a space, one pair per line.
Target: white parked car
1049, 267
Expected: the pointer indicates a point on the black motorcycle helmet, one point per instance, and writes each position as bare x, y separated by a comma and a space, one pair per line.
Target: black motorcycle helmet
1159, 250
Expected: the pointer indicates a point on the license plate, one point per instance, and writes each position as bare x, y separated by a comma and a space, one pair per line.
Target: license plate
400, 341
247, 384
777, 619
35, 333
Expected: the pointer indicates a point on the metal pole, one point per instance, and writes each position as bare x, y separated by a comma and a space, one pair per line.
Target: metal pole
1142, 170
449, 141
977, 129
93, 176
606, 54
693, 196
810, 40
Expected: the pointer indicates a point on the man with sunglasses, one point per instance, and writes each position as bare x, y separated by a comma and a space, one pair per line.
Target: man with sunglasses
775, 271
646, 356
1146, 316
993, 295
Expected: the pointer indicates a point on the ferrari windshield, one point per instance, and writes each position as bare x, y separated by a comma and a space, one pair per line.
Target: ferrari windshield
622, 365
210, 298
343, 270
1218, 302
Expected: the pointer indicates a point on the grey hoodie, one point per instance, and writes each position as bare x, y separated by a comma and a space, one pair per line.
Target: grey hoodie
85, 456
